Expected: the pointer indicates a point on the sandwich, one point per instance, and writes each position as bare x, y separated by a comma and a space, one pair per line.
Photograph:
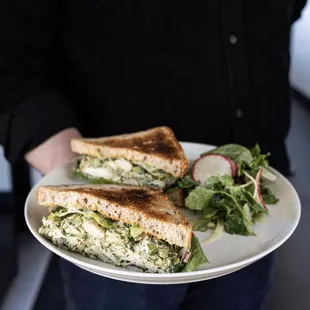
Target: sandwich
152, 158
120, 224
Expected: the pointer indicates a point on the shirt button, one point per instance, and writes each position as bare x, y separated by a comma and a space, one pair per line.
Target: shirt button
233, 39
239, 113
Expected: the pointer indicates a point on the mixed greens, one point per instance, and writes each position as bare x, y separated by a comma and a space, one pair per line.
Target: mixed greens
234, 201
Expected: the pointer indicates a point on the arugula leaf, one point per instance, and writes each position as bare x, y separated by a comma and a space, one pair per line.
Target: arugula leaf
235, 225
199, 198
227, 194
267, 195
186, 182
224, 205
219, 182
258, 160
201, 225
210, 212
256, 151
252, 202
198, 256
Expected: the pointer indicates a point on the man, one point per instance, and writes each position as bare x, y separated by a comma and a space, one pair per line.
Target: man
214, 71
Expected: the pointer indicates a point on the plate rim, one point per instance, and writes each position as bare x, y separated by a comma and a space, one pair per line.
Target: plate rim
198, 273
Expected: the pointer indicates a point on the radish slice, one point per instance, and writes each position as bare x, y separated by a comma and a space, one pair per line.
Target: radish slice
211, 165
234, 167
257, 194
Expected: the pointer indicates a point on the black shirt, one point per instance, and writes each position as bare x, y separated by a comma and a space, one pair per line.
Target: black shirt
214, 71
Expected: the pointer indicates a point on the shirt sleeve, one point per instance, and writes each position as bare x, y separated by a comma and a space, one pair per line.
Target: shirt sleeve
31, 108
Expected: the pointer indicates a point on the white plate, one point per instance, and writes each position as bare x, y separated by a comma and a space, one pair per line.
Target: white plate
226, 254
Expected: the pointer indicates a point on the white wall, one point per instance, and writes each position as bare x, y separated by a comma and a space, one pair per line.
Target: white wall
300, 48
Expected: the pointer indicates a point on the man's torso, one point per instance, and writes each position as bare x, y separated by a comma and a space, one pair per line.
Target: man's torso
215, 71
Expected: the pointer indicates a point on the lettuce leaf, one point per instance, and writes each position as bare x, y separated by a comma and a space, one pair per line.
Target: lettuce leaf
199, 198
100, 219
198, 256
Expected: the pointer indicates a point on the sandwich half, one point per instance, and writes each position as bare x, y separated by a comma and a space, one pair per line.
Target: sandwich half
151, 158
120, 224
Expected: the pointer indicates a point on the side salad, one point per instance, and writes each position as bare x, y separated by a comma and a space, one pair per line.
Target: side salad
228, 186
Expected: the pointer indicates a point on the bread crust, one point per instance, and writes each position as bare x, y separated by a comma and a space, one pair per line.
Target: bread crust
157, 147
146, 207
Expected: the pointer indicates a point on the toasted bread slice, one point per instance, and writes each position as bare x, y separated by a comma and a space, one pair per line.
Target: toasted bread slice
157, 147
148, 208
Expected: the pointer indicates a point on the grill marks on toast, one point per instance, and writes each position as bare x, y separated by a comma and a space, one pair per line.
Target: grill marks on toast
157, 147
151, 143
137, 199
148, 208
